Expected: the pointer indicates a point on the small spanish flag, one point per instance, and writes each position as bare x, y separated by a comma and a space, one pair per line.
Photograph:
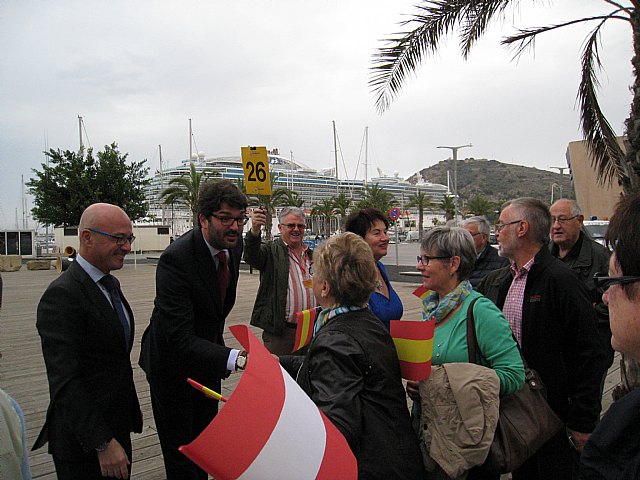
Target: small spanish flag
421, 292
414, 344
306, 319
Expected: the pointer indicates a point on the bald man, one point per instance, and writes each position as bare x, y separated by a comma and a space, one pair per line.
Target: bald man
86, 327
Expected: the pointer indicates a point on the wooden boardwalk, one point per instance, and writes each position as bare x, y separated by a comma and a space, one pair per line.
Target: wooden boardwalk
22, 371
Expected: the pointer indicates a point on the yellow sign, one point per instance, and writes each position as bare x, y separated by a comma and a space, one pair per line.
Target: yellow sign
255, 164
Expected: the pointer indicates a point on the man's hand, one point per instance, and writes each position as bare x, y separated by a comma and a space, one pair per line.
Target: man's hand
114, 461
258, 219
412, 390
577, 439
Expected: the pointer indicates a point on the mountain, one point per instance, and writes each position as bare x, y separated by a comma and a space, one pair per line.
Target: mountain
497, 181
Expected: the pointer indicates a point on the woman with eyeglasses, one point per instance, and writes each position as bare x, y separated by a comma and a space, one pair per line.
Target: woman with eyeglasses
372, 225
446, 259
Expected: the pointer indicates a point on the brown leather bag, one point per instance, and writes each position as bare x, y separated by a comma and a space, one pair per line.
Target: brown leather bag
526, 421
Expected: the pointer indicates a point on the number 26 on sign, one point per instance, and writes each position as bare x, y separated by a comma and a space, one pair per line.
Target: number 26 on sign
255, 164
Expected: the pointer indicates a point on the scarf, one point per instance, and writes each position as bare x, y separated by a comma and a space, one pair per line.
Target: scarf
328, 313
439, 308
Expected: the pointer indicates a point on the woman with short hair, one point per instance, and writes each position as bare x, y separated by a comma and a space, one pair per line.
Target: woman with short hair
372, 226
351, 370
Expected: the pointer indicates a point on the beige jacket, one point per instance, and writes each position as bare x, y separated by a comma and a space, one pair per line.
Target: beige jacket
459, 404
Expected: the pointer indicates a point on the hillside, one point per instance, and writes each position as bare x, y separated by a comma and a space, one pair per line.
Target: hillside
497, 181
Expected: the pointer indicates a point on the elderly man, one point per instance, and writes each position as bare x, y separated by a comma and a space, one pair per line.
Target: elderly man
285, 278
87, 330
487, 259
613, 451
583, 255
552, 319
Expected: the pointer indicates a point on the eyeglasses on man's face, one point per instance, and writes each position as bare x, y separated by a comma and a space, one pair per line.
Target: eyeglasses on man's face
602, 282
425, 259
227, 221
562, 220
500, 226
119, 239
292, 226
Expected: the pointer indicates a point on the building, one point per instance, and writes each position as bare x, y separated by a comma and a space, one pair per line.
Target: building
311, 185
595, 200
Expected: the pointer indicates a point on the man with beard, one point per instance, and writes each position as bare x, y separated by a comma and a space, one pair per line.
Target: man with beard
195, 290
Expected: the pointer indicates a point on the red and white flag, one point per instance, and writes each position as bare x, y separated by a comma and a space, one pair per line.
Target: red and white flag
270, 429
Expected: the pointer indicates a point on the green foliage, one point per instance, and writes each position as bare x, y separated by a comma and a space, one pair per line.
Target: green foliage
480, 205
185, 190
324, 210
421, 201
448, 205
375, 196
341, 206
71, 182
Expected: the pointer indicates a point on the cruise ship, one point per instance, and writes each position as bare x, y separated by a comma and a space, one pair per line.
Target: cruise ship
311, 185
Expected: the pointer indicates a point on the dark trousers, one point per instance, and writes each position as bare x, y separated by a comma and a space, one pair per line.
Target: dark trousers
180, 417
87, 468
555, 460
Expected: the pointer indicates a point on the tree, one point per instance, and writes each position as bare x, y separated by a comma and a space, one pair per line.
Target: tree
375, 196
448, 206
72, 182
480, 205
422, 202
185, 190
436, 20
324, 210
341, 206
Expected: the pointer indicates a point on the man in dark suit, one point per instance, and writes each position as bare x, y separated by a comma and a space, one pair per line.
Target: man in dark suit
86, 327
487, 259
195, 290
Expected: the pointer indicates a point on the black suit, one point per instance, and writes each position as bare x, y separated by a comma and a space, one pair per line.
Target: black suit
184, 340
93, 397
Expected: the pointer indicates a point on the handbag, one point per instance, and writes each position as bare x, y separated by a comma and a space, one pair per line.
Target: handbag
526, 421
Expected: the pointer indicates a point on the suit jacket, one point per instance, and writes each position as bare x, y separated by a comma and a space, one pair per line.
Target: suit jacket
93, 396
185, 335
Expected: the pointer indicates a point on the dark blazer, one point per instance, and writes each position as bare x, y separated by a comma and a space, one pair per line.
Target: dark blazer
93, 396
487, 262
559, 337
185, 335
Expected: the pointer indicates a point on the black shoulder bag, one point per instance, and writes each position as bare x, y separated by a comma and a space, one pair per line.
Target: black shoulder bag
526, 421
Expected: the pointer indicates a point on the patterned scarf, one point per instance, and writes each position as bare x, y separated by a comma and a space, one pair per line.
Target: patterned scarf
328, 313
432, 306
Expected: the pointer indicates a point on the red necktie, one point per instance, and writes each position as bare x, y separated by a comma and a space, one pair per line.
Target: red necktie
223, 274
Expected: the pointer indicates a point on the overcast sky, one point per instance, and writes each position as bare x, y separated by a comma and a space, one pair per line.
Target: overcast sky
276, 73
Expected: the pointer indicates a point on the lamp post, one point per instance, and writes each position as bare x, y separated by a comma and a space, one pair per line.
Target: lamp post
454, 151
561, 172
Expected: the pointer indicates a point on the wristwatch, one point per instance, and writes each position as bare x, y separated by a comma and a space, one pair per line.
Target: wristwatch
241, 360
103, 446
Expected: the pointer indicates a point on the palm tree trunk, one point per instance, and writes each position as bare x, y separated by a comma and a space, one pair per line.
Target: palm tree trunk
630, 368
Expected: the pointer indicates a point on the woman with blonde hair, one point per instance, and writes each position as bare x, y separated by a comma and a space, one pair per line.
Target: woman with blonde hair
351, 370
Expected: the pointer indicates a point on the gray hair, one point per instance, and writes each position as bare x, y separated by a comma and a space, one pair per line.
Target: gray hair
482, 222
295, 211
452, 241
536, 213
573, 206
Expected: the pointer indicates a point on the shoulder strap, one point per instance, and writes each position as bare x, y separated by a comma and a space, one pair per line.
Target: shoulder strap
472, 340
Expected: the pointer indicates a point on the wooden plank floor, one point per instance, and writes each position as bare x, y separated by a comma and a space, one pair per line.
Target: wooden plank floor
22, 371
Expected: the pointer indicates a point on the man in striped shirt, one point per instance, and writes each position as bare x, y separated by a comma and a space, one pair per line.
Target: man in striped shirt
285, 277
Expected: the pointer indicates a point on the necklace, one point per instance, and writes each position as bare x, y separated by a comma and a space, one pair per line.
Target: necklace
378, 285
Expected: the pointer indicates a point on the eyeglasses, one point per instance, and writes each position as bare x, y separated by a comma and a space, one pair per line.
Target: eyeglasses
120, 239
425, 259
475, 234
500, 226
562, 220
602, 282
291, 226
228, 221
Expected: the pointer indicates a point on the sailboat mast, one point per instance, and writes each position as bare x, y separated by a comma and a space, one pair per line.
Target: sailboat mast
366, 153
161, 180
80, 131
335, 151
190, 141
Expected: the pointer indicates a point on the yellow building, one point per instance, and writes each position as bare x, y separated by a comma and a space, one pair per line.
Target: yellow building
594, 199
